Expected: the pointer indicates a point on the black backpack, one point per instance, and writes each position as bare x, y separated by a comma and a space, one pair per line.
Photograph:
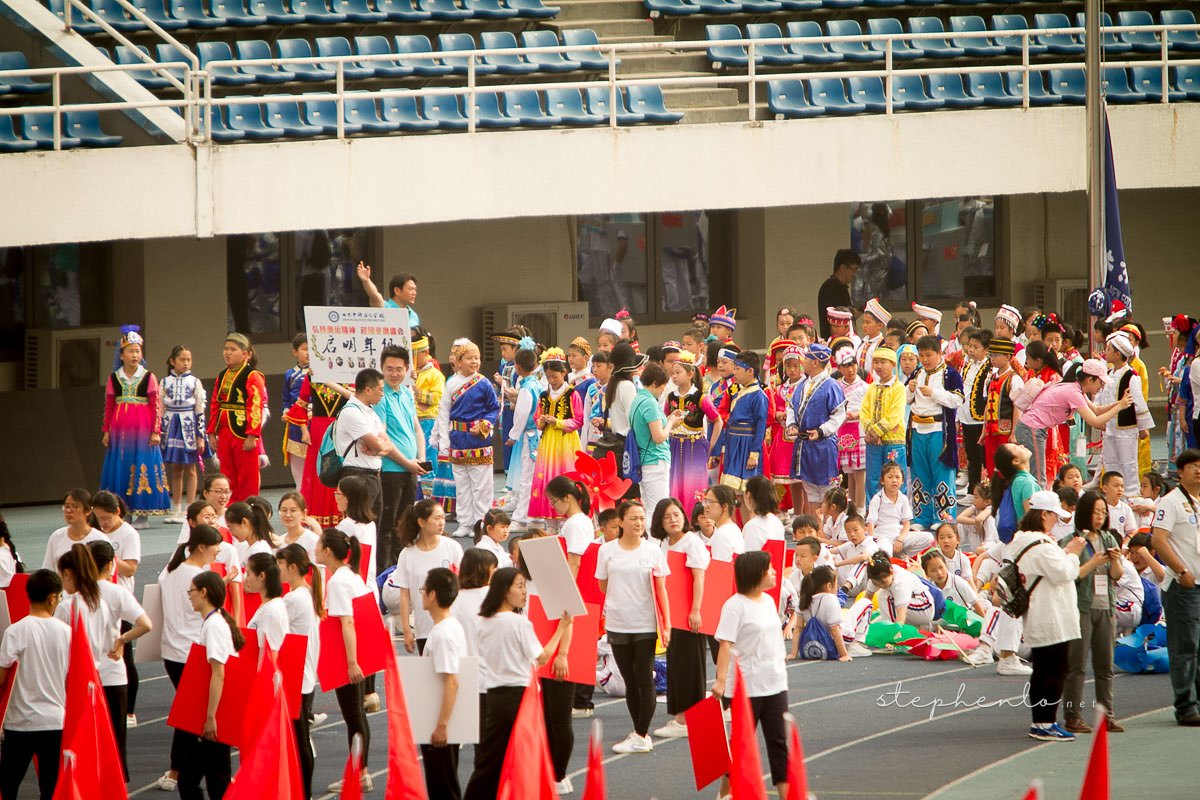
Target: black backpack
1009, 584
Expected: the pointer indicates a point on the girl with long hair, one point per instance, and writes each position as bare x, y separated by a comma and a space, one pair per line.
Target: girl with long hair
570, 500
298, 527
305, 605
425, 547
76, 508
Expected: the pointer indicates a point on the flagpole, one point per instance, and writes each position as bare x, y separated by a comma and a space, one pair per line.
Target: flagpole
1095, 144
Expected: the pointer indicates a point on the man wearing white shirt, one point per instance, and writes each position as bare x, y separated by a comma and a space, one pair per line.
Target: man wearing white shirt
361, 435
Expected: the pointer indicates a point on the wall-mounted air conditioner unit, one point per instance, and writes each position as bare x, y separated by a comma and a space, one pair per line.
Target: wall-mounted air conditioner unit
1066, 297
551, 324
71, 358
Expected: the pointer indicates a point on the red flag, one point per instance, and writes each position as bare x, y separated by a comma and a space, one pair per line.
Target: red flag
87, 728
745, 774
1095, 779
527, 773
271, 767
68, 783
797, 776
261, 695
352, 775
405, 780
1035, 791
595, 788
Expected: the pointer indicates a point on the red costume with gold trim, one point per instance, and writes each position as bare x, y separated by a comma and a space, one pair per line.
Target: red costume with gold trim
235, 413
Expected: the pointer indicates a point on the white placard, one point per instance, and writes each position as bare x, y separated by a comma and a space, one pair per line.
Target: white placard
149, 647
5, 619
552, 576
342, 341
423, 694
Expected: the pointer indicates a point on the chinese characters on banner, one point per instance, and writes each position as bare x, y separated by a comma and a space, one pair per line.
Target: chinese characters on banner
342, 341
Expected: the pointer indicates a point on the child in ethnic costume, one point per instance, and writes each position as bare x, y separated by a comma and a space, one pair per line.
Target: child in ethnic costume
1001, 414
852, 453
559, 417
133, 465
315, 409
295, 449
521, 436
882, 417
183, 404
689, 447
237, 415
783, 449
741, 439
428, 387
935, 393
466, 417
816, 413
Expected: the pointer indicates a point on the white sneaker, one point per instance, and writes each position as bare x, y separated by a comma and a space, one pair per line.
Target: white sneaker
672, 730
318, 719
564, 787
982, 655
858, 650
634, 744
582, 713
371, 703
131, 720
166, 782
1011, 665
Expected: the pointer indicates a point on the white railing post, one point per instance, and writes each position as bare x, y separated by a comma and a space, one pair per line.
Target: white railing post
470, 93
56, 94
1166, 85
750, 92
340, 102
208, 109
1025, 74
612, 88
887, 77
67, 13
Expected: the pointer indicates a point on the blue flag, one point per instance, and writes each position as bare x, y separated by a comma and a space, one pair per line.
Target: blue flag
1116, 274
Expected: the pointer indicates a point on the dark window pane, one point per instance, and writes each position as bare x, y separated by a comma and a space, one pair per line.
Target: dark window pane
683, 250
253, 275
879, 235
325, 261
958, 248
611, 263
71, 285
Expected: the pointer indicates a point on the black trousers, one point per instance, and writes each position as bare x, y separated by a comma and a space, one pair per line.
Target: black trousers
399, 492
131, 673
557, 699
687, 670
635, 662
20, 747
178, 737
441, 772
350, 701
1050, 667
205, 760
116, 696
768, 711
974, 450
583, 695
502, 705
303, 728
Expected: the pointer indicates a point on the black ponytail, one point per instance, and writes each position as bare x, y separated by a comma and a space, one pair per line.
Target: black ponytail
879, 567
814, 583
214, 591
342, 546
493, 517
201, 535
267, 568
260, 526
562, 486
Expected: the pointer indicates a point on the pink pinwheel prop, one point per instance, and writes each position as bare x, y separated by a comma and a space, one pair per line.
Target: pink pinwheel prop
599, 476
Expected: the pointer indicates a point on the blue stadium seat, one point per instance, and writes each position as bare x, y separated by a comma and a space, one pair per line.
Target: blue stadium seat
597, 103
285, 115
989, 87
378, 46
323, 112
338, 46
38, 128
973, 45
1148, 81
300, 48
1038, 96
525, 106
771, 53
648, 101
883, 3
591, 60
1143, 41
78, 23
362, 111
421, 66
1187, 80
1069, 84
146, 78
786, 99
534, 9
446, 111
155, 10
193, 15
801, 5
719, 6
1117, 88
934, 48
85, 126
114, 15
852, 51
507, 64
488, 113
218, 130
923, 2
317, 11
761, 6
901, 49
403, 111
489, 9
247, 119
276, 11
869, 92
1062, 43
673, 8
830, 94
444, 9
950, 89
168, 54
459, 42
812, 52
567, 105
402, 11
222, 76
1181, 40
262, 73
734, 55
10, 142
908, 92
235, 13
1112, 44
1013, 44
547, 62
841, 3
19, 84
357, 11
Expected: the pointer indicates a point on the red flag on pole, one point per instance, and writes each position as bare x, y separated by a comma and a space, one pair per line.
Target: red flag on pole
1034, 792
87, 727
68, 783
261, 695
797, 776
745, 773
595, 788
271, 766
405, 780
352, 775
1095, 780
527, 773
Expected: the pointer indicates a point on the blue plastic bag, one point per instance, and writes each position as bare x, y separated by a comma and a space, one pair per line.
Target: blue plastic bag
816, 642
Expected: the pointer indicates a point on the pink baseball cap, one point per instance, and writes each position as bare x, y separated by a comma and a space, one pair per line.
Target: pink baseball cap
1096, 368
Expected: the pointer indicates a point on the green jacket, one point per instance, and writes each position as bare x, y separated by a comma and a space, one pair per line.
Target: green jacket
1085, 587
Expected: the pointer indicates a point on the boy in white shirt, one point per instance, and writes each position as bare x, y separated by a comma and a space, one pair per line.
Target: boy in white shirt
447, 646
890, 514
976, 525
954, 587
1120, 516
851, 557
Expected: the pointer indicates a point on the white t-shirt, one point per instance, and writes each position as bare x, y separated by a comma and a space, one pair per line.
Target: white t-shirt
848, 549
578, 532
760, 529
181, 625
217, 638
364, 532
8, 566
355, 421
60, 542
127, 544
960, 590
887, 516
498, 550
103, 626
466, 611
690, 545
1178, 516
508, 647
629, 601
752, 626
271, 622
39, 697
907, 591
835, 527
411, 568
446, 645
302, 619
957, 564
1122, 519
229, 556
824, 609
727, 542
345, 585
618, 413
308, 540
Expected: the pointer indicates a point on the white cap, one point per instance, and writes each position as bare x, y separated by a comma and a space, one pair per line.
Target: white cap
612, 326
1048, 501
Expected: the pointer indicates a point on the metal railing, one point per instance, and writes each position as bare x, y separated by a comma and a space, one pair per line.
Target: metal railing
197, 100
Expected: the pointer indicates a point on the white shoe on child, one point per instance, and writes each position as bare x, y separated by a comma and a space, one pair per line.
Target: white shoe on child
858, 650
634, 744
672, 730
1012, 665
981, 656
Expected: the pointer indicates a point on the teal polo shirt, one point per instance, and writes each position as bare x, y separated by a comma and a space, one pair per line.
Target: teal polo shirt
399, 415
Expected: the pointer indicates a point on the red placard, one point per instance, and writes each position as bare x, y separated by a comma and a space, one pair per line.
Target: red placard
18, 600
708, 740
589, 587
364, 562
6, 689
776, 547
218, 567
373, 643
291, 665
718, 587
190, 708
585, 631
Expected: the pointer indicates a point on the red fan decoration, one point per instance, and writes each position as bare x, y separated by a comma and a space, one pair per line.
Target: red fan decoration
600, 478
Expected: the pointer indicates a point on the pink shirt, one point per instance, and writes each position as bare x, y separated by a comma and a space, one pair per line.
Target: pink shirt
1054, 405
